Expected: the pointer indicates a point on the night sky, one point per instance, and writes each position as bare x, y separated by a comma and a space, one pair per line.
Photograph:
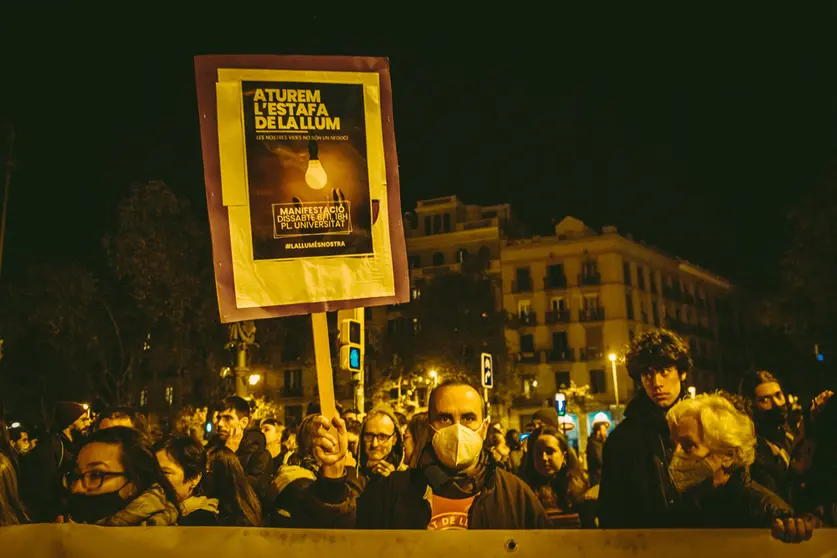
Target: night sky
694, 131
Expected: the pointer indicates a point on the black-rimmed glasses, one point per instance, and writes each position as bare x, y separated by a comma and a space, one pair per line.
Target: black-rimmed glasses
91, 480
382, 438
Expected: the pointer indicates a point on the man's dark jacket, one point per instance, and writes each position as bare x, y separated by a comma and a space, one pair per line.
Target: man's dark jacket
636, 491
401, 501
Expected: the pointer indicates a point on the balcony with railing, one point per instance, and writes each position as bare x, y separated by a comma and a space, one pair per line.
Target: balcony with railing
559, 354
688, 298
523, 319
527, 357
558, 317
291, 392
591, 315
589, 279
478, 224
533, 400
588, 354
555, 282
522, 286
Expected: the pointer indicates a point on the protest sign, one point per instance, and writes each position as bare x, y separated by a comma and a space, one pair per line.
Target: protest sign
302, 184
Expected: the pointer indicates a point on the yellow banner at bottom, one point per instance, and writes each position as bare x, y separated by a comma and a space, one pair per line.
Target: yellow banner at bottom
82, 541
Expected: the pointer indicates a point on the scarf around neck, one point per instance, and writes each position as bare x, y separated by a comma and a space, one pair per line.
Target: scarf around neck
452, 484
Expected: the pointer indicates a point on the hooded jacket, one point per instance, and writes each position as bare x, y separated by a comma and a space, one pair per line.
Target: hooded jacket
199, 511
636, 491
148, 509
395, 458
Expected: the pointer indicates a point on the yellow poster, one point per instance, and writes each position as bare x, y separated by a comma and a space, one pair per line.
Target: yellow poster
302, 184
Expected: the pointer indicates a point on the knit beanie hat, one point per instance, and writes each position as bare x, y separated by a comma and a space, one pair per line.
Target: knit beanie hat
67, 412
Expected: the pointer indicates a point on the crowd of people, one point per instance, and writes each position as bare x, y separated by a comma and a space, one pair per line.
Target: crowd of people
718, 460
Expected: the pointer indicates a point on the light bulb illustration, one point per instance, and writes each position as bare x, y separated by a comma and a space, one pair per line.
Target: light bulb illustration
315, 176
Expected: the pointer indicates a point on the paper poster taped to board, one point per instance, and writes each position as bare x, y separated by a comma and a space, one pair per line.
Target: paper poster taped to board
302, 184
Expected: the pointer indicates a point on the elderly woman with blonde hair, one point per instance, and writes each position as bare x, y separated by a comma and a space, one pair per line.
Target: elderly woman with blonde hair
714, 448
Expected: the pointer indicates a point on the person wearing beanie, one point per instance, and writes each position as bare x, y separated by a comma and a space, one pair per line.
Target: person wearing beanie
636, 491
71, 418
42, 475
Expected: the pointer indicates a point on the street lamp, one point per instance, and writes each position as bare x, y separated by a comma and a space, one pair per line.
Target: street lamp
612, 358
692, 391
254, 379
434, 376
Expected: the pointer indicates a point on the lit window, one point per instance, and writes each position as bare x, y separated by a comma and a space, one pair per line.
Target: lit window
169, 395
143, 398
415, 293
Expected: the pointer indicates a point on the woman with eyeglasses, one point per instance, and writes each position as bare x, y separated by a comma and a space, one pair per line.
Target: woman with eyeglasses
117, 482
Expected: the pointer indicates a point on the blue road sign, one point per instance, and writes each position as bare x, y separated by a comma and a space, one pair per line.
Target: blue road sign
487, 370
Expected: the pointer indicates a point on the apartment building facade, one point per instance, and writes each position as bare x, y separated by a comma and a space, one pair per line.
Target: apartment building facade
577, 297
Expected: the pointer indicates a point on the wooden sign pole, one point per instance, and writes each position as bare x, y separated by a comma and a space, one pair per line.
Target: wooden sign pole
322, 357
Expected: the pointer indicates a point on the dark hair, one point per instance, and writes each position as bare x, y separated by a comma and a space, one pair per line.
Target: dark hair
402, 418
494, 439
419, 429
186, 452
656, 350
354, 426
287, 433
313, 408
453, 382
272, 422
11, 508
529, 428
116, 413
351, 411
238, 404
137, 458
513, 439
751, 381
5, 440
567, 488
742, 404
226, 481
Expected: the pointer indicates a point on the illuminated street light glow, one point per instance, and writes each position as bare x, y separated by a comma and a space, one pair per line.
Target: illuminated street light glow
692, 390
432, 373
86, 406
534, 383
254, 379
612, 357
15, 425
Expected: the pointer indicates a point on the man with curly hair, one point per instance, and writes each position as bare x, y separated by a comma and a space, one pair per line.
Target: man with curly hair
636, 491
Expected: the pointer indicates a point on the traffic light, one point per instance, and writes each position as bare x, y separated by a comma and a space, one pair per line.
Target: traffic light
351, 346
561, 404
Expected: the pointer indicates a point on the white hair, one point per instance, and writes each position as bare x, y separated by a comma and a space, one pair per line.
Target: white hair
722, 427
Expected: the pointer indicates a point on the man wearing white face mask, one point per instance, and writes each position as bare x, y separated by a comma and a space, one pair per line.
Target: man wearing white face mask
457, 484
714, 447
